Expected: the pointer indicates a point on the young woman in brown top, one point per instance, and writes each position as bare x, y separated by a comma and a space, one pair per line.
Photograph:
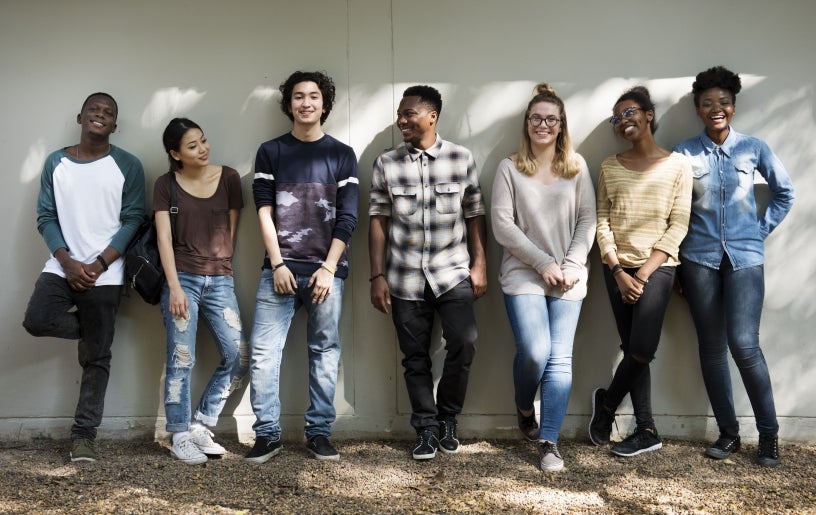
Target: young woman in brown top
196, 253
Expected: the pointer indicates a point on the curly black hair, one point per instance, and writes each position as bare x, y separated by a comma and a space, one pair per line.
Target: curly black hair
716, 77
641, 96
323, 81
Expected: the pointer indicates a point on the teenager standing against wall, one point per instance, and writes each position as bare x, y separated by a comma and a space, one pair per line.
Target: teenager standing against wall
543, 215
644, 197
306, 191
723, 259
427, 252
196, 253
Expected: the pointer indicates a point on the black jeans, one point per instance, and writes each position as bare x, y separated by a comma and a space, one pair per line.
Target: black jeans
50, 313
639, 327
414, 323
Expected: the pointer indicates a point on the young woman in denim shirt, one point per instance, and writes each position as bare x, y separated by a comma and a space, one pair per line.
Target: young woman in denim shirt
723, 259
196, 254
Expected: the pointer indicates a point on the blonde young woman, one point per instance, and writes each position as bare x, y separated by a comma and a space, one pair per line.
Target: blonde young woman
197, 262
644, 198
543, 215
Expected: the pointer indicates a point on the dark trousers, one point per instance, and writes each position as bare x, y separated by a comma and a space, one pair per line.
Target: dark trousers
639, 326
51, 312
414, 322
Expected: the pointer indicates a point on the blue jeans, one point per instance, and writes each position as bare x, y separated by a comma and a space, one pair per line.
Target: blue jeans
212, 297
544, 328
51, 312
726, 306
273, 316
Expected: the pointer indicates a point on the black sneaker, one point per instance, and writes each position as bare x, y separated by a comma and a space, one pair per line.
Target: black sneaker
550, 459
723, 447
263, 450
448, 443
322, 449
600, 424
426, 444
768, 451
528, 425
642, 440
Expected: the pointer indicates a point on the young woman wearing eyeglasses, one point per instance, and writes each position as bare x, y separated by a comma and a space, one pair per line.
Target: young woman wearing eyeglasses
543, 214
644, 197
723, 259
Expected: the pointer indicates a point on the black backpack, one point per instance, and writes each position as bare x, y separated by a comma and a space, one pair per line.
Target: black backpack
143, 268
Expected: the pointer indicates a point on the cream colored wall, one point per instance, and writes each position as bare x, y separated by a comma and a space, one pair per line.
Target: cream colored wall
220, 63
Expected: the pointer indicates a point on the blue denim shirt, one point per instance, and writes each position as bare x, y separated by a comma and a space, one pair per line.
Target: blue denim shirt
723, 206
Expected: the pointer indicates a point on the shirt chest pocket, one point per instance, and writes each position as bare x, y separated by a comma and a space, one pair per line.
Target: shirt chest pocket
447, 197
405, 199
745, 173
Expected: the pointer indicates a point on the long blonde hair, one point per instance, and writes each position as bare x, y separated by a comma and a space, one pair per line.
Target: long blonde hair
565, 164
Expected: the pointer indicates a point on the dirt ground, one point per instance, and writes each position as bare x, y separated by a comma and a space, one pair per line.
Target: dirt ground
380, 477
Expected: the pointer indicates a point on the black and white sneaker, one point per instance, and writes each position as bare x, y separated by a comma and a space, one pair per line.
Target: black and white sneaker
448, 442
426, 445
263, 450
321, 448
642, 440
723, 447
768, 450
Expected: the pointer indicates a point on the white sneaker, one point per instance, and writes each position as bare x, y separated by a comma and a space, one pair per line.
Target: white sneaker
187, 451
202, 437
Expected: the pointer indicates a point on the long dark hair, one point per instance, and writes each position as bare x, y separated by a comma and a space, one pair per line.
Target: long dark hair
171, 138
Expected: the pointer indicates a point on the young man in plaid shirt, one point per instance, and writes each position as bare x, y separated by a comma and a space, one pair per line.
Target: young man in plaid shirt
427, 210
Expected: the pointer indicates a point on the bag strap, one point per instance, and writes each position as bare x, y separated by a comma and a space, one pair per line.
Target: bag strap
173, 205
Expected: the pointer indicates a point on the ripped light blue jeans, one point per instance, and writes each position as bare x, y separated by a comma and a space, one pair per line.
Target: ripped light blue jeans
213, 298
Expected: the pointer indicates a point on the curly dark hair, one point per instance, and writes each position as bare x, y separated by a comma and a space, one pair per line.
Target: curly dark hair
323, 81
428, 95
641, 96
716, 77
101, 94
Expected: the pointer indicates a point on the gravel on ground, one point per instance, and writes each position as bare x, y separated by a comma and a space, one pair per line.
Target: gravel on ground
486, 476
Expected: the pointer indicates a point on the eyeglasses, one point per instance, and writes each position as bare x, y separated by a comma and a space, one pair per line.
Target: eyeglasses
550, 121
626, 113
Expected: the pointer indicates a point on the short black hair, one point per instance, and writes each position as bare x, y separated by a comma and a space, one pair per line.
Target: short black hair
716, 77
323, 81
101, 94
427, 95
641, 96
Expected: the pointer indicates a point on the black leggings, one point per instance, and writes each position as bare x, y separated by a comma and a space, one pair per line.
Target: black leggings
639, 327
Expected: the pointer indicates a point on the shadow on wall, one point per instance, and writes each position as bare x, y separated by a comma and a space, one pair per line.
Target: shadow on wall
487, 120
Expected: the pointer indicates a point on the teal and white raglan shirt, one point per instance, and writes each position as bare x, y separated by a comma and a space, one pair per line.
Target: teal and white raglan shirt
86, 206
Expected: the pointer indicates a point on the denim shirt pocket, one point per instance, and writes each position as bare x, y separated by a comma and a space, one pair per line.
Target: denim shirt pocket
447, 197
745, 168
405, 199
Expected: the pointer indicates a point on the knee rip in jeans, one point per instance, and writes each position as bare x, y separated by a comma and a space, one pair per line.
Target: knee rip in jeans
181, 324
181, 356
174, 391
641, 360
234, 385
232, 318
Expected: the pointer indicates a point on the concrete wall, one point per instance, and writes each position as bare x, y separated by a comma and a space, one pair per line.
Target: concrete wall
220, 63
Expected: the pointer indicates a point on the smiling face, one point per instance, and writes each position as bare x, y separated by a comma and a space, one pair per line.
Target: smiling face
307, 103
417, 122
633, 121
716, 109
98, 117
194, 150
545, 114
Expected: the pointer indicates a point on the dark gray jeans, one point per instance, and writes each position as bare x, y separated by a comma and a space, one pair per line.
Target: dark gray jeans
50, 312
